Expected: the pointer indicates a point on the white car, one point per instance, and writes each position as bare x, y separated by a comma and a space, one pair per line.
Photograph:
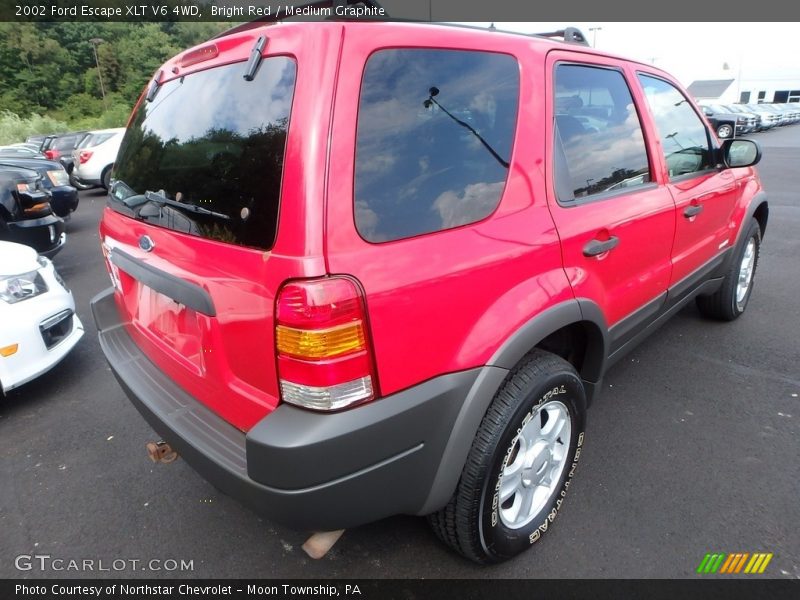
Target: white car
94, 158
38, 324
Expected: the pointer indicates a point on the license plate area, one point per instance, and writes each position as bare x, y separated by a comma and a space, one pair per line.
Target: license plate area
174, 325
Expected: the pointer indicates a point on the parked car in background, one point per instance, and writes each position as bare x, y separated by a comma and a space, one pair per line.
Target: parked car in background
30, 146
793, 108
766, 118
19, 152
26, 216
95, 158
37, 139
743, 122
56, 146
64, 197
37, 312
788, 115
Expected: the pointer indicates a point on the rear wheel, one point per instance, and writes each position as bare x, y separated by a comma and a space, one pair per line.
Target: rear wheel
520, 465
731, 299
107, 177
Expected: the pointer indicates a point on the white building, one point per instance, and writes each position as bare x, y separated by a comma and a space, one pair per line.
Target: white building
753, 85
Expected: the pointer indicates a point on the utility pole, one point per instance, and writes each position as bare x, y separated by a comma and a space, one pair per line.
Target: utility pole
594, 31
95, 42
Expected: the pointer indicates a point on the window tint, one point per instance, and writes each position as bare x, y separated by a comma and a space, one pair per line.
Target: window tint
599, 142
435, 131
95, 139
205, 157
684, 137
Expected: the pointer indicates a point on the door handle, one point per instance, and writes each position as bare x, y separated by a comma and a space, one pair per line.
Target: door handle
598, 247
692, 210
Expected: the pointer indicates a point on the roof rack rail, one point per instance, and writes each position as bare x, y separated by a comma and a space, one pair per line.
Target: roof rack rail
281, 13
570, 35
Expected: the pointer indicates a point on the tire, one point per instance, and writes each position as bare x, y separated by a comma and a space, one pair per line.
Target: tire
479, 521
730, 300
724, 131
106, 177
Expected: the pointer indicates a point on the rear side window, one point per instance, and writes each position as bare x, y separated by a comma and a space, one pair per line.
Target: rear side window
684, 137
435, 132
95, 140
205, 157
599, 146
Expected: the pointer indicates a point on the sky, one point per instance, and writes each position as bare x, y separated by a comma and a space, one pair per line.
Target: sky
690, 51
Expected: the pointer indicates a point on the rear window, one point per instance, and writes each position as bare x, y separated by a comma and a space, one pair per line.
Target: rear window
95, 139
205, 157
435, 132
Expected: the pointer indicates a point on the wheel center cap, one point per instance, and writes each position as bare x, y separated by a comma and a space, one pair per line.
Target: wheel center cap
534, 474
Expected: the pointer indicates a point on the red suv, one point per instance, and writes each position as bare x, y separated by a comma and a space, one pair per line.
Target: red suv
369, 268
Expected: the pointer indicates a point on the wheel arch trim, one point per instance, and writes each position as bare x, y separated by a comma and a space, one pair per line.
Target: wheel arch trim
493, 375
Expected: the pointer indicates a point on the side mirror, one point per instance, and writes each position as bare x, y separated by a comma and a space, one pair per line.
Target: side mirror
740, 153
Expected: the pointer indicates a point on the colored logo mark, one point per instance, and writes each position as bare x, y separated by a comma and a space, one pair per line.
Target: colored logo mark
737, 562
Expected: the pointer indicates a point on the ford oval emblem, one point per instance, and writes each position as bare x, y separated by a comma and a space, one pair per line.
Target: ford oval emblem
146, 244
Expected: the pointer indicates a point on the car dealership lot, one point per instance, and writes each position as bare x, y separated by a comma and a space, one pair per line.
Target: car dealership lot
693, 449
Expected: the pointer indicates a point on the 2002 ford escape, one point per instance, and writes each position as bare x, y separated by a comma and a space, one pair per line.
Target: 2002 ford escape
369, 268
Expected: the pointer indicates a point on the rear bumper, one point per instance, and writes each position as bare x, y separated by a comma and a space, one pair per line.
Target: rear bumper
307, 470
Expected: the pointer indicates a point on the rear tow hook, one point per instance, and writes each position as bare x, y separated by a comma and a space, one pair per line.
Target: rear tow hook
161, 452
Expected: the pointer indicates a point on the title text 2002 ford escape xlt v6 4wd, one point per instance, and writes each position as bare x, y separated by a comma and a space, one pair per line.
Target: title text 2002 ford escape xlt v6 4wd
369, 268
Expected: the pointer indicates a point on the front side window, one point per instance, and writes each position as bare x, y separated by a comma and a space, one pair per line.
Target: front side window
599, 142
684, 137
205, 157
435, 132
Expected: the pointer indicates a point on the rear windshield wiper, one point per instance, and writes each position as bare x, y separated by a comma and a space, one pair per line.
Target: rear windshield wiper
161, 200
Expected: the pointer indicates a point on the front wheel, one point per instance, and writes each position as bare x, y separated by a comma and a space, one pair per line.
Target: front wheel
520, 465
731, 299
724, 131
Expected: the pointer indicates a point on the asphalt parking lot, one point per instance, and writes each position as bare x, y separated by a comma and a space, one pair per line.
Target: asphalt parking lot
692, 448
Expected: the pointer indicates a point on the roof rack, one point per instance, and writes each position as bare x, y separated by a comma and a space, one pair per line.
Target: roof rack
570, 35
280, 15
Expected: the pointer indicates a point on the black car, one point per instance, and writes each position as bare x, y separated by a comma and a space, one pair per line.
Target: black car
56, 146
26, 216
745, 121
19, 152
54, 179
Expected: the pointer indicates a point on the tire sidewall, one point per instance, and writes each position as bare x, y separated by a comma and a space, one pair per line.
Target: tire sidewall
500, 542
106, 179
753, 233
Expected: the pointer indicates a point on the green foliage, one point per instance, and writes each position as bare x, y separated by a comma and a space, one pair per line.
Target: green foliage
15, 129
50, 69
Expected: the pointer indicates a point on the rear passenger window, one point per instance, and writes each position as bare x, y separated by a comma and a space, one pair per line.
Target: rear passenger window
684, 138
435, 132
599, 143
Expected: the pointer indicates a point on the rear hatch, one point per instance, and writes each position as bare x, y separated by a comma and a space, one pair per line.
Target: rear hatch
191, 229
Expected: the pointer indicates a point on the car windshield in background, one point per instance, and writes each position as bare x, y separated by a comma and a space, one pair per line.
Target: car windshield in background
205, 156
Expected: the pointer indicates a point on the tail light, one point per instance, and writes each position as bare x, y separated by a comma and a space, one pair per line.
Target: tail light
84, 156
52, 154
323, 346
